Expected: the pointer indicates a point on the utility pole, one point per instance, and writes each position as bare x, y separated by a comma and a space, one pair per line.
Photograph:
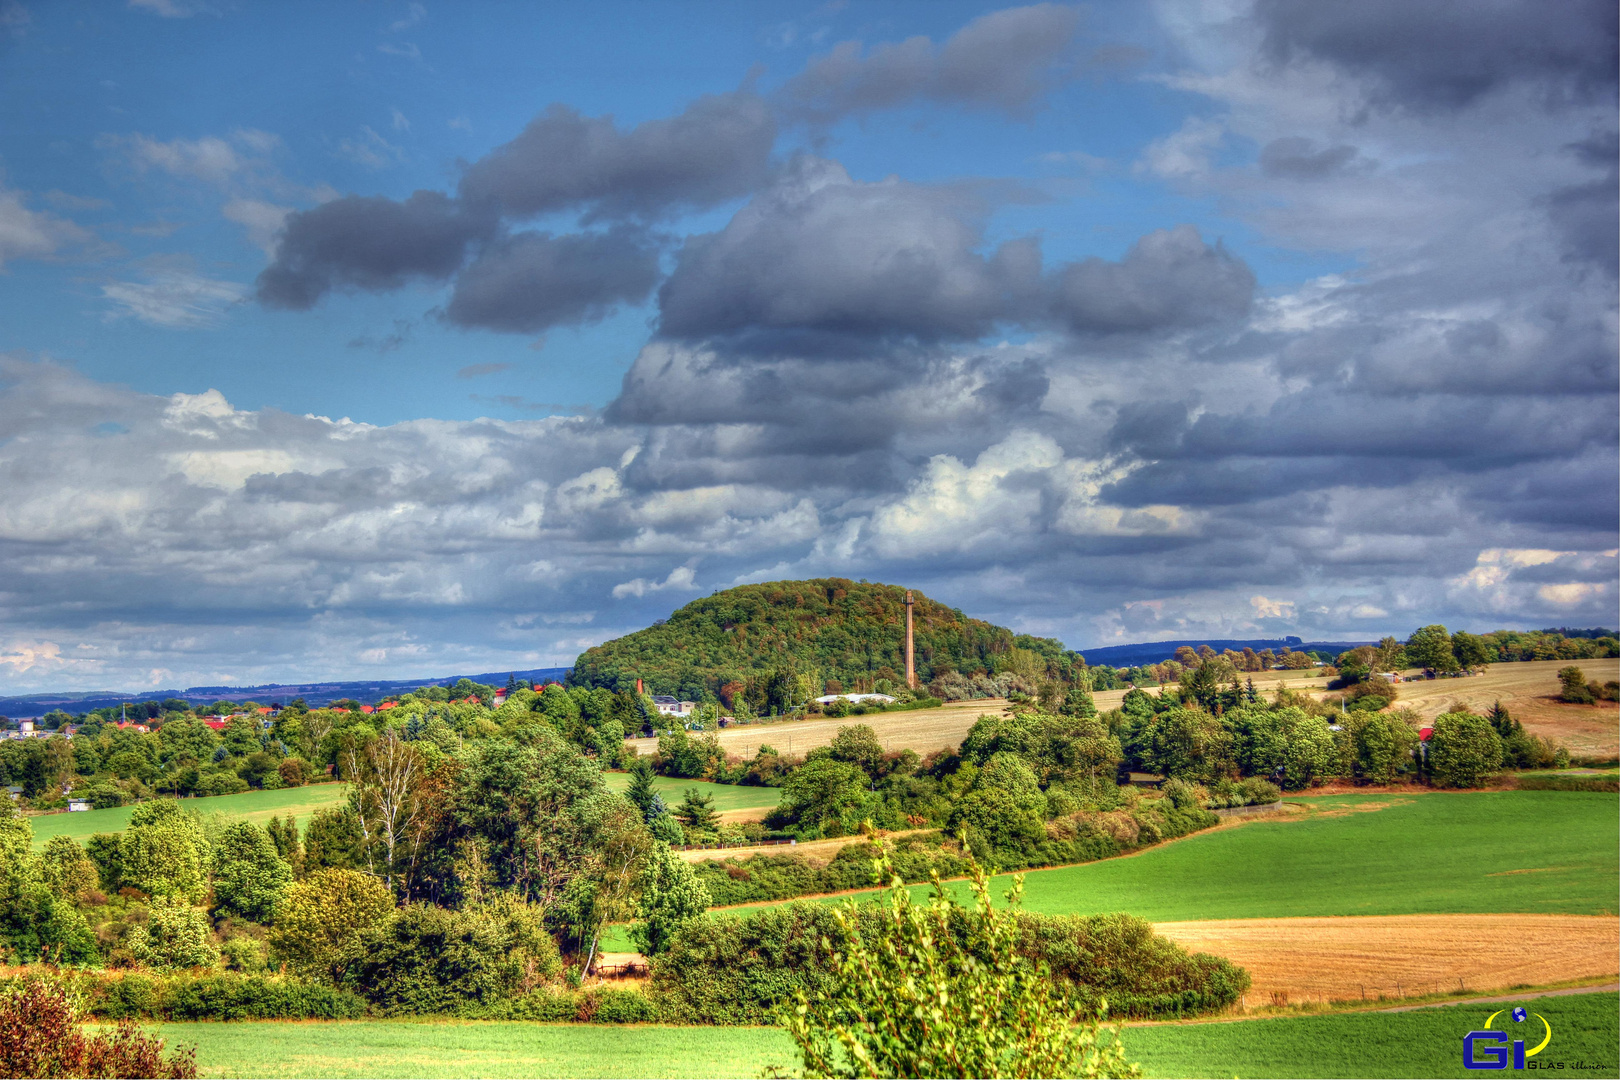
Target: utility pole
911, 658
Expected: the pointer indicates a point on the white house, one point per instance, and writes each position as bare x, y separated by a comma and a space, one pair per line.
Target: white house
668, 706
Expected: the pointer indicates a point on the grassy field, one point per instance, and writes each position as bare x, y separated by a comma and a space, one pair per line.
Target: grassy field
255, 806
1424, 1042
1485, 852
727, 797
1421, 1043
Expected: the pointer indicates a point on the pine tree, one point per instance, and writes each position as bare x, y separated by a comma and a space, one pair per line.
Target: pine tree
641, 788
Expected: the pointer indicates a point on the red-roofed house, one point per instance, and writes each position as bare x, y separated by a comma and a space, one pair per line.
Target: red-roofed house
367, 709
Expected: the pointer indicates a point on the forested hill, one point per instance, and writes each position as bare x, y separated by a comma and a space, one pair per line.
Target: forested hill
828, 628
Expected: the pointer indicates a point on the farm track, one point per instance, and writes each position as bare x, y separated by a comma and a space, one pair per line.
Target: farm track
1347, 958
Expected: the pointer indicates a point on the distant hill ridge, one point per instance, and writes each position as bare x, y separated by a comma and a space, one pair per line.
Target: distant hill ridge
314, 693
851, 631
1154, 652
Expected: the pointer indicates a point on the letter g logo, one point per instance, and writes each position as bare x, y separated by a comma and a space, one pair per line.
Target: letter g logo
1487, 1056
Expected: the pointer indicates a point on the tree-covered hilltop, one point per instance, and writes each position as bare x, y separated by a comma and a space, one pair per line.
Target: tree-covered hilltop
847, 635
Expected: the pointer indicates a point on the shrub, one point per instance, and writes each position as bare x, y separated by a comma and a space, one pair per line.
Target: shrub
214, 996
41, 1034
428, 959
1575, 689
987, 1008
325, 918
1464, 750
740, 969
176, 936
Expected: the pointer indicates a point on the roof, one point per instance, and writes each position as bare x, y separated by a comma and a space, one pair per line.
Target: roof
663, 699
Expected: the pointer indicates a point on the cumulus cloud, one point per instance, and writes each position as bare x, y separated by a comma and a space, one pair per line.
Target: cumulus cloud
1007, 61
530, 281
368, 242
1168, 278
823, 254
681, 578
717, 149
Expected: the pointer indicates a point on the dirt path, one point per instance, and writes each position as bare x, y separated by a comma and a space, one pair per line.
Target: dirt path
1348, 958
1529, 996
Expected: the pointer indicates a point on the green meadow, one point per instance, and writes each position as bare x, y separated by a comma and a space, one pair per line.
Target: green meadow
726, 796
1470, 852
255, 806
1420, 1043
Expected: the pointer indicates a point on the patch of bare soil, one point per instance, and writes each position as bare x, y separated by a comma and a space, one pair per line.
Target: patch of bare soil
1391, 956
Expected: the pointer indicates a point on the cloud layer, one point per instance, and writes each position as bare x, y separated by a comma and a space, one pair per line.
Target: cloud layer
884, 378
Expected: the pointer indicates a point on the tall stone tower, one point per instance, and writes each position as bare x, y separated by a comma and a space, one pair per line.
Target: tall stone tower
911, 657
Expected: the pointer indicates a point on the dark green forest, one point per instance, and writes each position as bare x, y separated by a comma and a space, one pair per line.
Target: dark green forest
843, 632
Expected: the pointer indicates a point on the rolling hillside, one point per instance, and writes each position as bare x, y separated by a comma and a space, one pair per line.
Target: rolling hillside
850, 631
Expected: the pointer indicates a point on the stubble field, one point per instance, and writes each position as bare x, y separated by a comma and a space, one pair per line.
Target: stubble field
1529, 690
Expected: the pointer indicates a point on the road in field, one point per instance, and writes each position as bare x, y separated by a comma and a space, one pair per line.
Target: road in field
1392, 956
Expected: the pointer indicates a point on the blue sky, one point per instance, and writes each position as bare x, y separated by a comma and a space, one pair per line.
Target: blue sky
391, 338
388, 98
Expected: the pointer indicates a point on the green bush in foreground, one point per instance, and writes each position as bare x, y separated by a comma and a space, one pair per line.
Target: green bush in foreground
933, 990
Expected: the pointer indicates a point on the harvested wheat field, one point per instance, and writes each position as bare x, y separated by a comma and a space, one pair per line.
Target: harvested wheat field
1343, 959
1530, 692
922, 730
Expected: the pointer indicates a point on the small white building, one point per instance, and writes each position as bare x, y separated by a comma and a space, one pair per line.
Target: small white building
668, 706
76, 806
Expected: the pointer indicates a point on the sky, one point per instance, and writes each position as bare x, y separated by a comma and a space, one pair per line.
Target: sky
385, 340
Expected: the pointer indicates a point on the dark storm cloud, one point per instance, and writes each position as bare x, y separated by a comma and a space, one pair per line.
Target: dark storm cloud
821, 254
527, 282
1298, 158
1588, 215
1445, 54
1006, 60
1169, 278
718, 149
368, 242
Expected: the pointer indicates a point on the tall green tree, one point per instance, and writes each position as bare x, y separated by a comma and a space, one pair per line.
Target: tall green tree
1430, 648
671, 895
250, 876
641, 791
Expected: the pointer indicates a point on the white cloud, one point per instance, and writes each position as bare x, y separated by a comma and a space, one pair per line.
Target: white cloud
261, 219
174, 298
31, 234
211, 159
172, 9
369, 149
682, 578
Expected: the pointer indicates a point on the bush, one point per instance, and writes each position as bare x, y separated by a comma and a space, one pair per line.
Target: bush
428, 959
1575, 689
740, 969
227, 996
325, 919
1567, 783
176, 936
41, 1035
1464, 750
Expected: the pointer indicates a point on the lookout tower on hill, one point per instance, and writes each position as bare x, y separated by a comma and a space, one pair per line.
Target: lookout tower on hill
911, 658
